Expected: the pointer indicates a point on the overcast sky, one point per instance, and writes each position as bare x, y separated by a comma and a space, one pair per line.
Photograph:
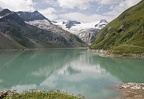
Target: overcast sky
80, 10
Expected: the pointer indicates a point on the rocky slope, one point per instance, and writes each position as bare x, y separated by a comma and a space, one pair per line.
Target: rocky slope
125, 34
15, 33
85, 31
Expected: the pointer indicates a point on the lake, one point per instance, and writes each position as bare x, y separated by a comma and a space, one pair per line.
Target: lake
76, 71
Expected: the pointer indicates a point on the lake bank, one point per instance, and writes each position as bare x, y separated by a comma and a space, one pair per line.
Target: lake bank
132, 90
108, 53
36, 94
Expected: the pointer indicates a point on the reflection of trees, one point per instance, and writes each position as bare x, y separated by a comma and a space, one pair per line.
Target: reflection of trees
17, 67
126, 69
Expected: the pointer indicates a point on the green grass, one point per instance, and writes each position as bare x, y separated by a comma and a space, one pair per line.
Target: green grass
8, 43
42, 95
128, 49
132, 34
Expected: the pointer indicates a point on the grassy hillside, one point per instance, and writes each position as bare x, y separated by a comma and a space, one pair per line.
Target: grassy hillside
7, 43
125, 34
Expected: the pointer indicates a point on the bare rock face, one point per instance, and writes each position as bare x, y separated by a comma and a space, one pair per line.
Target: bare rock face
70, 23
88, 35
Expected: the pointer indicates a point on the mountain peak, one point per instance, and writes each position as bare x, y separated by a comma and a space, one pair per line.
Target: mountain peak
101, 24
71, 23
36, 11
32, 16
4, 12
103, 21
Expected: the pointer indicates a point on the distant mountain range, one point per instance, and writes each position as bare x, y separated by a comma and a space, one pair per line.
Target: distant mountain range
125, 34
85, 31
16, 33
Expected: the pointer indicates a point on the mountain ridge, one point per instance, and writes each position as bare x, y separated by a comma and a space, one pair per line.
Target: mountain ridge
85, 31
16, 34
31, 16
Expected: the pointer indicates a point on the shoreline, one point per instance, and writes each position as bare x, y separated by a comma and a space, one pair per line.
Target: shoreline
38, 94
35, 49
131, 90
107, 53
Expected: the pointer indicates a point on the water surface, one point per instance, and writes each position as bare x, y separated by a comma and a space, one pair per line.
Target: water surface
75, 71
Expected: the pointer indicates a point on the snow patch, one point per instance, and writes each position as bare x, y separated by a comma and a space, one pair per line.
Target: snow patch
43, 24
85, 31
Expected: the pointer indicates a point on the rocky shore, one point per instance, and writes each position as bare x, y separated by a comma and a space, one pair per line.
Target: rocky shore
37, 94
108, 53
132, 90
7, 93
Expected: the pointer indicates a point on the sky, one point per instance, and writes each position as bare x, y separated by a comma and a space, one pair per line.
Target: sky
79, 10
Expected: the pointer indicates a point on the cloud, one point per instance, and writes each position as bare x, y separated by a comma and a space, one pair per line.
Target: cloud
49, 13
130, 3
84, 4
84, 17
52, 2
93, 10
107, 2
17, 5
112, 2
71, 4
117, 9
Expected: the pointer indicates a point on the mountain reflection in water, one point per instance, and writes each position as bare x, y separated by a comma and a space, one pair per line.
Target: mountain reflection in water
75, 71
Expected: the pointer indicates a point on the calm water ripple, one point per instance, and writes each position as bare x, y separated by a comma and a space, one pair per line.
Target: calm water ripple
75, 71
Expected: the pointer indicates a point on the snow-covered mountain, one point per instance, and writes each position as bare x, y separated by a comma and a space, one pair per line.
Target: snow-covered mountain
70, 23
31, 16
85, 31
101, 24
37, 19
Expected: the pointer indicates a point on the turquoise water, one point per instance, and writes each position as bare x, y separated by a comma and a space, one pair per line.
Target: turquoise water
75, 71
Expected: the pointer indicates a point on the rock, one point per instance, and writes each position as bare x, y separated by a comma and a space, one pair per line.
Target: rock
138, 96
7, 93
120, 29
132, 86
132, 90
125, 86
136, 87
70, 23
